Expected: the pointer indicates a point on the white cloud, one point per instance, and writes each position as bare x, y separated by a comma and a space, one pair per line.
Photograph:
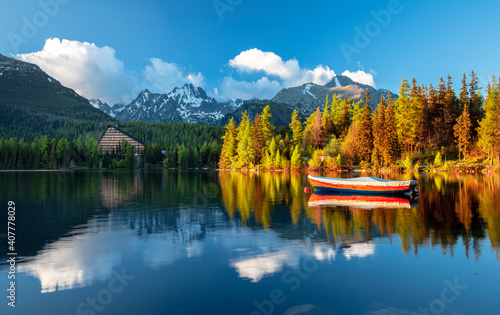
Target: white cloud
262, 88
272, 64
165, 76
288, 73
361, 77
254, 60
92, 71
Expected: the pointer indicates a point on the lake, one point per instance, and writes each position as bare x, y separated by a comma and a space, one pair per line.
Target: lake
207, 242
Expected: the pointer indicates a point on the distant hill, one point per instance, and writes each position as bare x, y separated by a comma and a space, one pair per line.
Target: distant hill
281, 113
183, 104
32, 102
307, 97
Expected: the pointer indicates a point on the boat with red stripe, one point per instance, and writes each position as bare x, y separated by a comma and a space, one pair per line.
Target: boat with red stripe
362, 185
366, 201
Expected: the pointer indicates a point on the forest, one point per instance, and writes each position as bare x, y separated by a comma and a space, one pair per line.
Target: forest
186, 145
426, 125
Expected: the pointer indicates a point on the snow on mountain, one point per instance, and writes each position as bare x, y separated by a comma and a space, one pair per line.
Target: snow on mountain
309, 96
110, 110
233, 104
187, 104
192, 104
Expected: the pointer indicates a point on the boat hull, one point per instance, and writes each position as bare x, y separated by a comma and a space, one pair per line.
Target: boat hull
362, 201
338, 186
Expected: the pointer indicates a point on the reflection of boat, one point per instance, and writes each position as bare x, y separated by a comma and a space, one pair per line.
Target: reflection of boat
361, 201
362, 185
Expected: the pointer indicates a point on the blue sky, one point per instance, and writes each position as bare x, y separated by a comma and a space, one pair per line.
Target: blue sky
240, 48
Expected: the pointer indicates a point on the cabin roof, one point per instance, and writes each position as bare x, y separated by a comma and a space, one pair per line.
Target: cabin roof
116, 127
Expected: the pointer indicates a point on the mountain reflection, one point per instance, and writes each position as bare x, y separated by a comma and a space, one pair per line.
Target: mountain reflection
78, 227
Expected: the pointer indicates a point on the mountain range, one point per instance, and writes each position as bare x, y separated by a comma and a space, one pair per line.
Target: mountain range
25, 88
33, 103
192, 104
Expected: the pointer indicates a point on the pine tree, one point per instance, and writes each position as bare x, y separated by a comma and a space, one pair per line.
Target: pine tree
244, 149
258, 139
266, 127
464, 93
391, 145
336, 112
451, 112
229, 146
315, 162
355, 110
296, 127
312, 130
406, 117
423, 122
296, 160
365, 133
379, 133
475, 102
346, 118
326, 122
462, 131
488, 130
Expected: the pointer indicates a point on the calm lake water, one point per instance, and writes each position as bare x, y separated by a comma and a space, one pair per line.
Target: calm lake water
203, 242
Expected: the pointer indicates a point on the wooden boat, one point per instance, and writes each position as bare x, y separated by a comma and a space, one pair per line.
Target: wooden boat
367, 202
362, 185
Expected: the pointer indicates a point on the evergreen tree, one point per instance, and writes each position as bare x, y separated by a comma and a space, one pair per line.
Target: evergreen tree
379, 133
488, 130
423, 120
336, 112
327, 126
346, 119
355, 110
245, 149
296, 127
462, 131
464, 93
266, 127
391, 145
406, 117
312, 130
228, 147
258, 139
475, 102
315, 162
296, 160
365, 133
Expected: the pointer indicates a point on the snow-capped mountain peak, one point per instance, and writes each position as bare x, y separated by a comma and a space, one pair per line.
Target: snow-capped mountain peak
187, 103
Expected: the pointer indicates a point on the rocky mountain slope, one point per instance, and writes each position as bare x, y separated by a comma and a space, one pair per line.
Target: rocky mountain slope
307, 97
33, 103
187, 104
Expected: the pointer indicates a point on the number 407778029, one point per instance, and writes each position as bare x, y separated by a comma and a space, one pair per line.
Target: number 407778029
11, 230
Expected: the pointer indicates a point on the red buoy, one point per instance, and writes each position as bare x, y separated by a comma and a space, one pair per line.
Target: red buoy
306, 190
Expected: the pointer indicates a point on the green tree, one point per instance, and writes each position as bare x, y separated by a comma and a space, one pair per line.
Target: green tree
488, 130
365, 132
406, 117
266, 127
229, 146
379, 134
245, 149
296, 160
391, 145
462, 131
315, 162
296, 127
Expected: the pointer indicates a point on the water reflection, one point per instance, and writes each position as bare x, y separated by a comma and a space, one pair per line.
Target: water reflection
77, 227
367, 202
